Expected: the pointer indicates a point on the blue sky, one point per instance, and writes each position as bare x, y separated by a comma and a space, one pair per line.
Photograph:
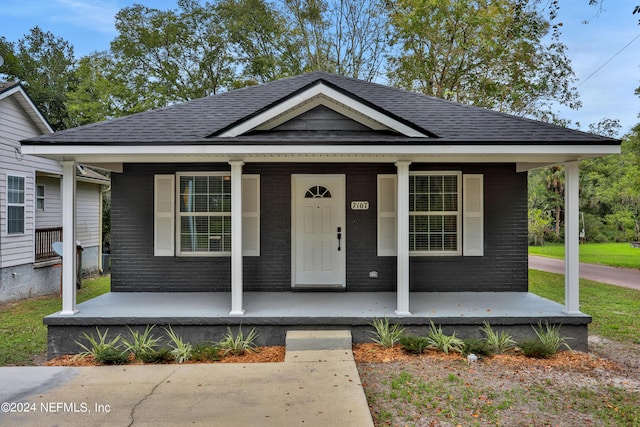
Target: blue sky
88, 26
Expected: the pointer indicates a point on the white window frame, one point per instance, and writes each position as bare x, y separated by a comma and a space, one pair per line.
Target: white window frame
40, 199
23, 205
179, 215
458, 214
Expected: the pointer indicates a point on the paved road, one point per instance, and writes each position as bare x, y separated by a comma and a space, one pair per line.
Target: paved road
627, 277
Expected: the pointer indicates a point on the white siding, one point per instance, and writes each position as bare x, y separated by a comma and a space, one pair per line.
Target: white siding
51, 216
88, 214
15, 125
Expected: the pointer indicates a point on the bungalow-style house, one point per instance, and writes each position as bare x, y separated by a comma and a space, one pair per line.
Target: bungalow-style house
30, 205
319, 201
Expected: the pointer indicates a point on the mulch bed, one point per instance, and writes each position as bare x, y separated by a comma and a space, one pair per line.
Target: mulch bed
267, 354
577, 361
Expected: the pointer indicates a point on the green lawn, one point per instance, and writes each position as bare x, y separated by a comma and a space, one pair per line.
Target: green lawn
22, 333
614, 254
615, 310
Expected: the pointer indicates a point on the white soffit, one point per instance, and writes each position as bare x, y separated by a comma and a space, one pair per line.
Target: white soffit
321, 94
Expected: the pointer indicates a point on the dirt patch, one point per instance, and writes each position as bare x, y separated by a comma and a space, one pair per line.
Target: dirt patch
569, 389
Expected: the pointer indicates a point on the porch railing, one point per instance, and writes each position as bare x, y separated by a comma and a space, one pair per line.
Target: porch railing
45, 237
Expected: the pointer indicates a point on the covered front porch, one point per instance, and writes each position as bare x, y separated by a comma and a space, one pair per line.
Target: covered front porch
200, 316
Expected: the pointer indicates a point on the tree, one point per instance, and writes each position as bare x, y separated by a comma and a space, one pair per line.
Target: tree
262, 40
45, 65
359, 41
486, 53
163, 57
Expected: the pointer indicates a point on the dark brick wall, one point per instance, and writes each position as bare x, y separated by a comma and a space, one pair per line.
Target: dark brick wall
134, 268
504, 266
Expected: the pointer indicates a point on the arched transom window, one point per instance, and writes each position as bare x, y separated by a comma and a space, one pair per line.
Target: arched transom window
317, 192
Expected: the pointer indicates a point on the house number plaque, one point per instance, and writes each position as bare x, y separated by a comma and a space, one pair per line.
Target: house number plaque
359, 205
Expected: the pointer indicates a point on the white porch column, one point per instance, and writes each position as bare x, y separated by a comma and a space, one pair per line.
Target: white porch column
68, 238
571, 238
402, 308
236, 238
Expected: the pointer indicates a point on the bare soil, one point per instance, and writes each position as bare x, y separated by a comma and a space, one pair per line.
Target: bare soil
601, 387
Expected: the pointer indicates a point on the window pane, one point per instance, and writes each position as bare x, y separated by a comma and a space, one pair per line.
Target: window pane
15, 219
435, 224
15, 190
450, 223
450, 202
450, 183
430, 197
186, 194
435, 184
450, 242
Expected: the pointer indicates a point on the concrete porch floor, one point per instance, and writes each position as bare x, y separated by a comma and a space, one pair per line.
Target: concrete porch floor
199, 317
316, 305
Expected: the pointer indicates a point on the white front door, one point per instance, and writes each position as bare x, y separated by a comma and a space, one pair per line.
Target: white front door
318, 231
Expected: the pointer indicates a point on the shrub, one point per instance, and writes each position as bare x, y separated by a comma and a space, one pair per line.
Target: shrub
180, 350
548, 342
534, 348
113, 356
446, 343
161, 355
550, 337
103, 351
414, 344
499, 342
206, 352
238, 344
477, 346
140, 343
384, 334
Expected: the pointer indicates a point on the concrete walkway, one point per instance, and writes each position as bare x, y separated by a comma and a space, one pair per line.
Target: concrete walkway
626, 277
316, 387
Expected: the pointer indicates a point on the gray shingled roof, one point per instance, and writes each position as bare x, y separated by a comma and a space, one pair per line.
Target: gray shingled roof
200, 120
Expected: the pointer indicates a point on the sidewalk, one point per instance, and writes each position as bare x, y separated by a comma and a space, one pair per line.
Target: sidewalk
311, 388
625, 277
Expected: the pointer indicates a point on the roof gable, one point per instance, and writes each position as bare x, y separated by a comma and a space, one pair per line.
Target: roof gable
16, 91
321, 93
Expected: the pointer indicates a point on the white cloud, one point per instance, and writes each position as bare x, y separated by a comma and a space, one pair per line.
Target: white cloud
97, 15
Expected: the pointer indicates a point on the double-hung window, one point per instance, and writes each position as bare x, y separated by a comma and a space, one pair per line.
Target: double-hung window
446, 214
204, 215
40, 197
15, 204
435, 213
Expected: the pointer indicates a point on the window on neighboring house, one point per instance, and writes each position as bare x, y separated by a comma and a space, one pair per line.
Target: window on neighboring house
40, 197
204, 217
435, 213
15, 204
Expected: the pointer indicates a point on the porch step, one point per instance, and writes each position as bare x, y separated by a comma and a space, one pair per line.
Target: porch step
318, 340
319, 288
314, 346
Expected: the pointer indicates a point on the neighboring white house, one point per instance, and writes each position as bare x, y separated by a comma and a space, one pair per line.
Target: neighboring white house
30, 209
